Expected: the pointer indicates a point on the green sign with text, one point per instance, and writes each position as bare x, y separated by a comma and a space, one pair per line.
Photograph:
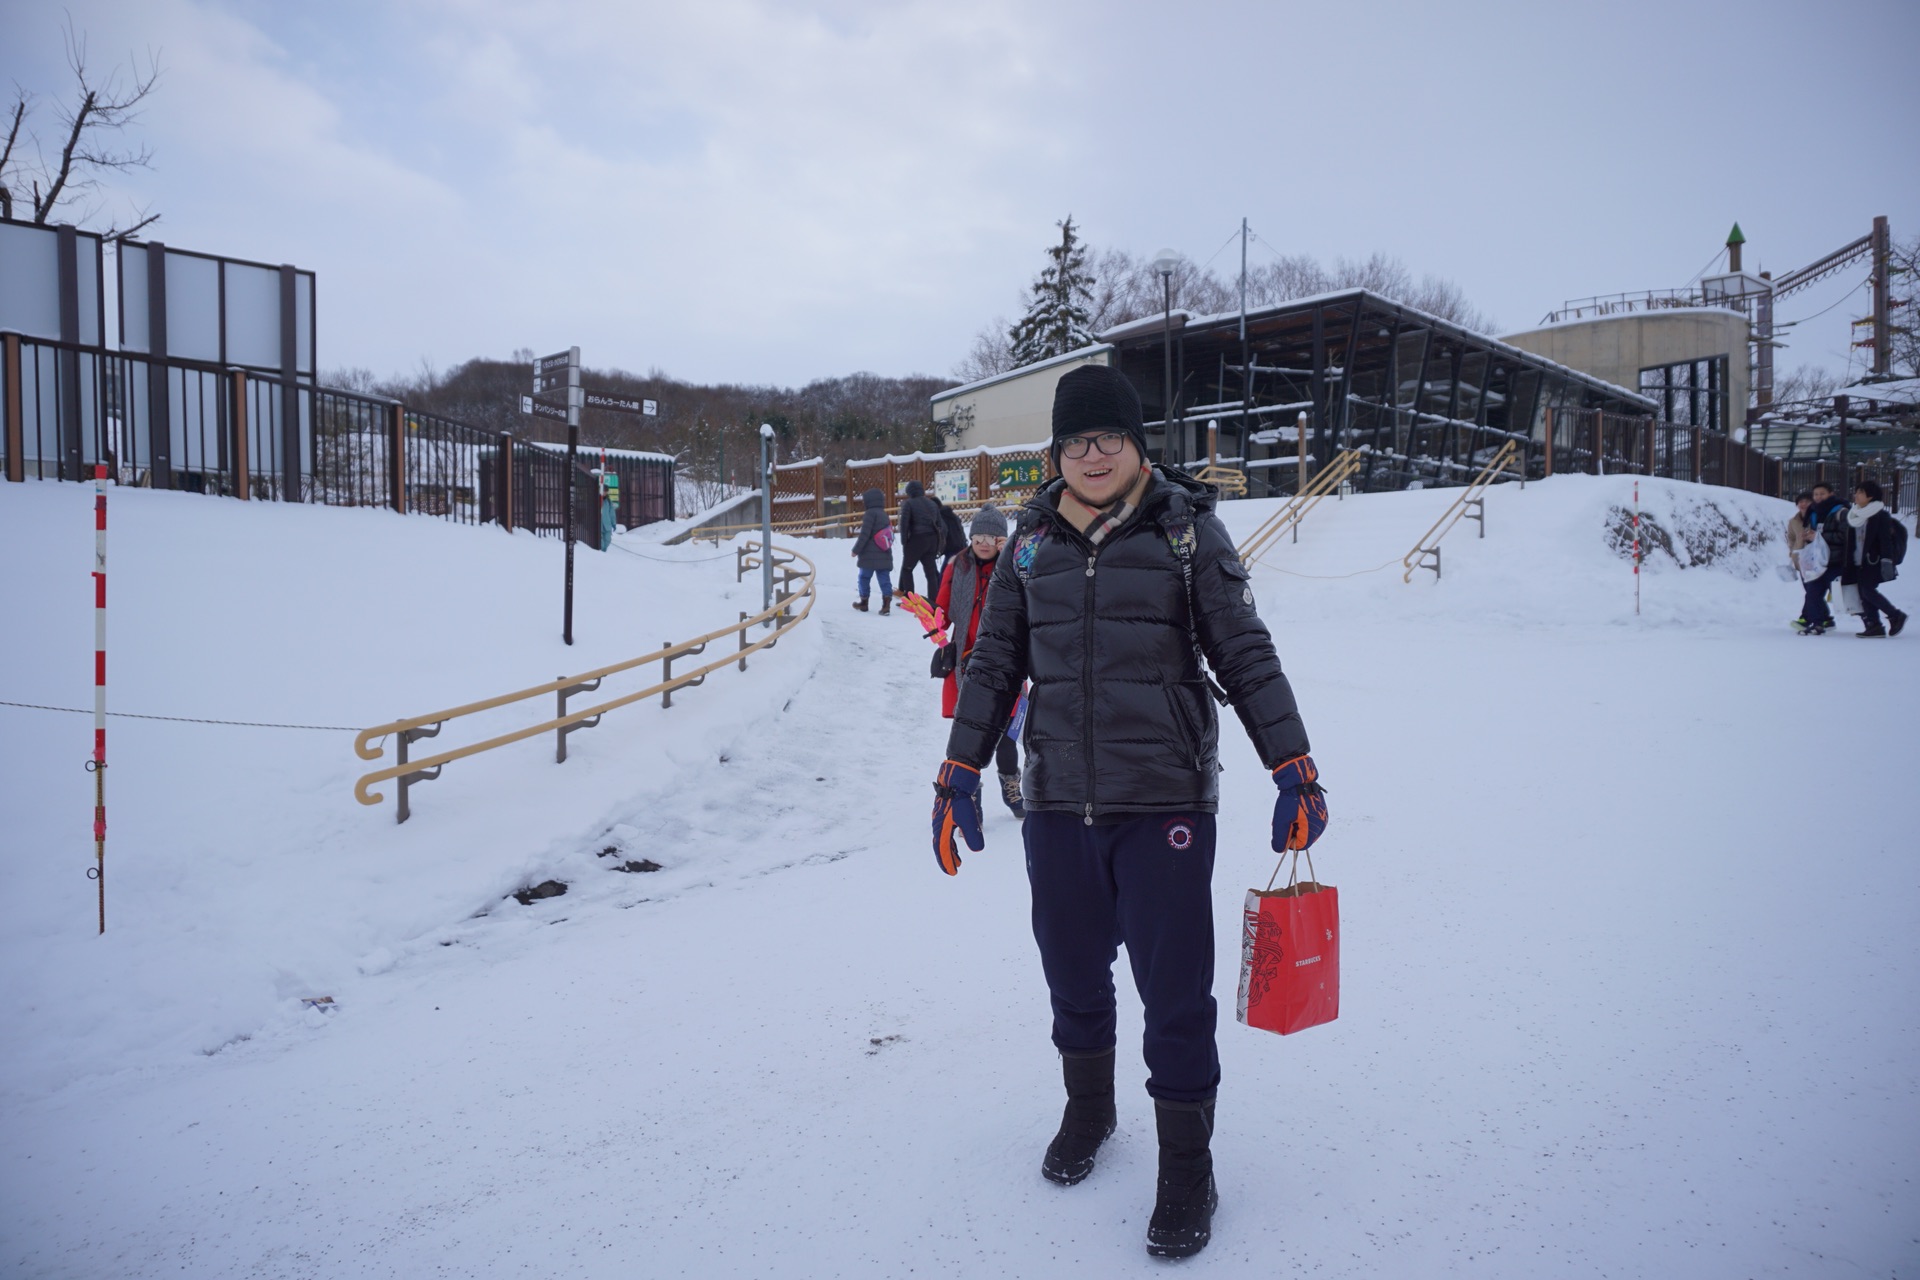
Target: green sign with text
1021, 473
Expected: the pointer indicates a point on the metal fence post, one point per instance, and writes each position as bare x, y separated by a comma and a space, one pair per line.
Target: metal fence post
397, 457
10, 410
503, 482
242, 462
560, 734
290, 459
407, 736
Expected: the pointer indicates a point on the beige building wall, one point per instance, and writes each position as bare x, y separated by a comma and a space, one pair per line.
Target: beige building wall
1617, 348
1013, 408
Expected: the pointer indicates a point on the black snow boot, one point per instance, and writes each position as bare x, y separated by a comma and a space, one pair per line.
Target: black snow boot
861, 604
1183, 1214
1897, 624
886, 603
1088, 1120
1010, 792
1874, 632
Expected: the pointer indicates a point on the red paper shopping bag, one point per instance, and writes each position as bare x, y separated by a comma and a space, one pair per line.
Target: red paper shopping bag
1290, 956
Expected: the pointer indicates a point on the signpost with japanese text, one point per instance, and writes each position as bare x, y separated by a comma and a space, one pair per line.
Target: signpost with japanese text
561, 372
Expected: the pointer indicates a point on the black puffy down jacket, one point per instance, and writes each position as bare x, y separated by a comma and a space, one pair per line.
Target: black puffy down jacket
1119, 720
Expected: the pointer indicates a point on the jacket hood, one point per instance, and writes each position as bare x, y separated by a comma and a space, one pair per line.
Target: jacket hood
873, 498
913, 489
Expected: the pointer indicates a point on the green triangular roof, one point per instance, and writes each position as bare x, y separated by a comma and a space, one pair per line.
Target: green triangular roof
1734, 237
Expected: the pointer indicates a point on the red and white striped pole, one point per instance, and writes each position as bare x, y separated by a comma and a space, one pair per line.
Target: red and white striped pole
1636, 548
98, 765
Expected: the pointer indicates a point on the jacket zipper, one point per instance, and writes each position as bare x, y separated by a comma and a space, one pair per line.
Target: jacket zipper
1086, 688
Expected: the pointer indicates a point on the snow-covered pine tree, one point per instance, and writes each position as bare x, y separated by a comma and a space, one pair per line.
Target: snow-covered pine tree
1057, 320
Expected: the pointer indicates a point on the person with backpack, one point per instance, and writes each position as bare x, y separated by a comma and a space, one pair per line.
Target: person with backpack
1118, 582
1876, 542
954, 534
873, 551
920, 536
962, 597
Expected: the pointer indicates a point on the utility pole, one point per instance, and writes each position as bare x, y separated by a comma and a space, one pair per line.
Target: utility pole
766, 517
1882, 303
573, 458
1246, 355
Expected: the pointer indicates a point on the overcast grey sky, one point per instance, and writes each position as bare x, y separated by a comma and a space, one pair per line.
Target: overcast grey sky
771, 193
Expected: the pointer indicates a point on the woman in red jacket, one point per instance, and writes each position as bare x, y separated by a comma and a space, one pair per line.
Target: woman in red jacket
963, 591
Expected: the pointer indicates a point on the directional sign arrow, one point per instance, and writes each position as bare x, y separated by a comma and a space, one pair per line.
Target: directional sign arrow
541, 409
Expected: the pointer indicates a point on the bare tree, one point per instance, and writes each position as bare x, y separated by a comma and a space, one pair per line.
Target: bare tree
991, 353
91, 125
1128, 288
1808, 382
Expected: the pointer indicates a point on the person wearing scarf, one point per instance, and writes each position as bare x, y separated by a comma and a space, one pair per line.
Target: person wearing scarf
1867, 563
1117, 580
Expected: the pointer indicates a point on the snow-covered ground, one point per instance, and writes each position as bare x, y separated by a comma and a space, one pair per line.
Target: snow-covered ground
1629, 967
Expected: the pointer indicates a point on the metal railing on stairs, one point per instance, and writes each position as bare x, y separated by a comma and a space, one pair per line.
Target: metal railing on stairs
1472, 503
793, 601
1289, 516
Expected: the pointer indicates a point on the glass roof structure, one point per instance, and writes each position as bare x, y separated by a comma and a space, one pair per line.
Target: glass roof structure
1428, 400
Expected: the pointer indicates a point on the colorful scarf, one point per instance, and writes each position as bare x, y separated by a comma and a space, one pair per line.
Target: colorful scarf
1099, 522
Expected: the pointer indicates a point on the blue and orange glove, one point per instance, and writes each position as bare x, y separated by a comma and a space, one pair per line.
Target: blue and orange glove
956, 807
1300, 814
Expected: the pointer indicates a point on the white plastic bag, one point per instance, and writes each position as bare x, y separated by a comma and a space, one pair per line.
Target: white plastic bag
1813, 559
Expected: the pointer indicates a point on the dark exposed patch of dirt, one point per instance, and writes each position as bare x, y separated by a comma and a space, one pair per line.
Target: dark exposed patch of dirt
641, 864
545, 889
1703, 535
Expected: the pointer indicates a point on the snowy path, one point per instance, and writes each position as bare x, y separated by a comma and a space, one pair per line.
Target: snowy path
1620, 1000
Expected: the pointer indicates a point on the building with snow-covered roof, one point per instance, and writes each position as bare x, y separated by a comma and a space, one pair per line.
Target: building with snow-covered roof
1425, 396
1009, 408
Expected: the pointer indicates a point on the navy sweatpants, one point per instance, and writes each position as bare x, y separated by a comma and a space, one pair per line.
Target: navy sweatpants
1148, 883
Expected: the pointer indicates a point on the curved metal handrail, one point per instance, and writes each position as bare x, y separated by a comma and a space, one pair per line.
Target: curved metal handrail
781, 613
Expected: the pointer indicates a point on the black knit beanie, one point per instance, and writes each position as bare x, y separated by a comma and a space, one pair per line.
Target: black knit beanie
1095, 398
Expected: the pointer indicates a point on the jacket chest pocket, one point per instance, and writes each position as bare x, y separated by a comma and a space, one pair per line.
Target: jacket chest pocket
1239, 587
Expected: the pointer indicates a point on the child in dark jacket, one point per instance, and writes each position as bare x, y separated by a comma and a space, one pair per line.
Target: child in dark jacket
873, 551
962, 596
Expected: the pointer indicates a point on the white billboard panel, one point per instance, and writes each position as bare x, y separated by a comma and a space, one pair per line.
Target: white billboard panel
30, 282
219, 310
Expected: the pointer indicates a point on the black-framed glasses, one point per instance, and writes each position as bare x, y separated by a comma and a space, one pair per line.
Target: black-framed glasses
1109, 443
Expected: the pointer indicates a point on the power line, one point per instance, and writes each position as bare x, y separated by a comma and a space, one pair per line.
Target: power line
245, 724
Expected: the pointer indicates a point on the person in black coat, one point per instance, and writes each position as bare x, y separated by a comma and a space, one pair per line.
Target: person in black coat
1868, 560
1118, 579
920, 536
873, 551
1827, 518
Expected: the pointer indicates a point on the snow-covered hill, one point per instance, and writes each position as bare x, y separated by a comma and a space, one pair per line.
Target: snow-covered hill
1629, 966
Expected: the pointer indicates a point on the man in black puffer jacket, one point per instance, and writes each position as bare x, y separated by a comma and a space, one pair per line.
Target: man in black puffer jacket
1118, 578
920, 537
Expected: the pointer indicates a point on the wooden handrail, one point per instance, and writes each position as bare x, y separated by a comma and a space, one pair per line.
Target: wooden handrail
817, 524
1429, 544
1299, 505
781, 609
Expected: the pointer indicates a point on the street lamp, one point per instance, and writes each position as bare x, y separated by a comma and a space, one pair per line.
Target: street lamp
1164, 262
